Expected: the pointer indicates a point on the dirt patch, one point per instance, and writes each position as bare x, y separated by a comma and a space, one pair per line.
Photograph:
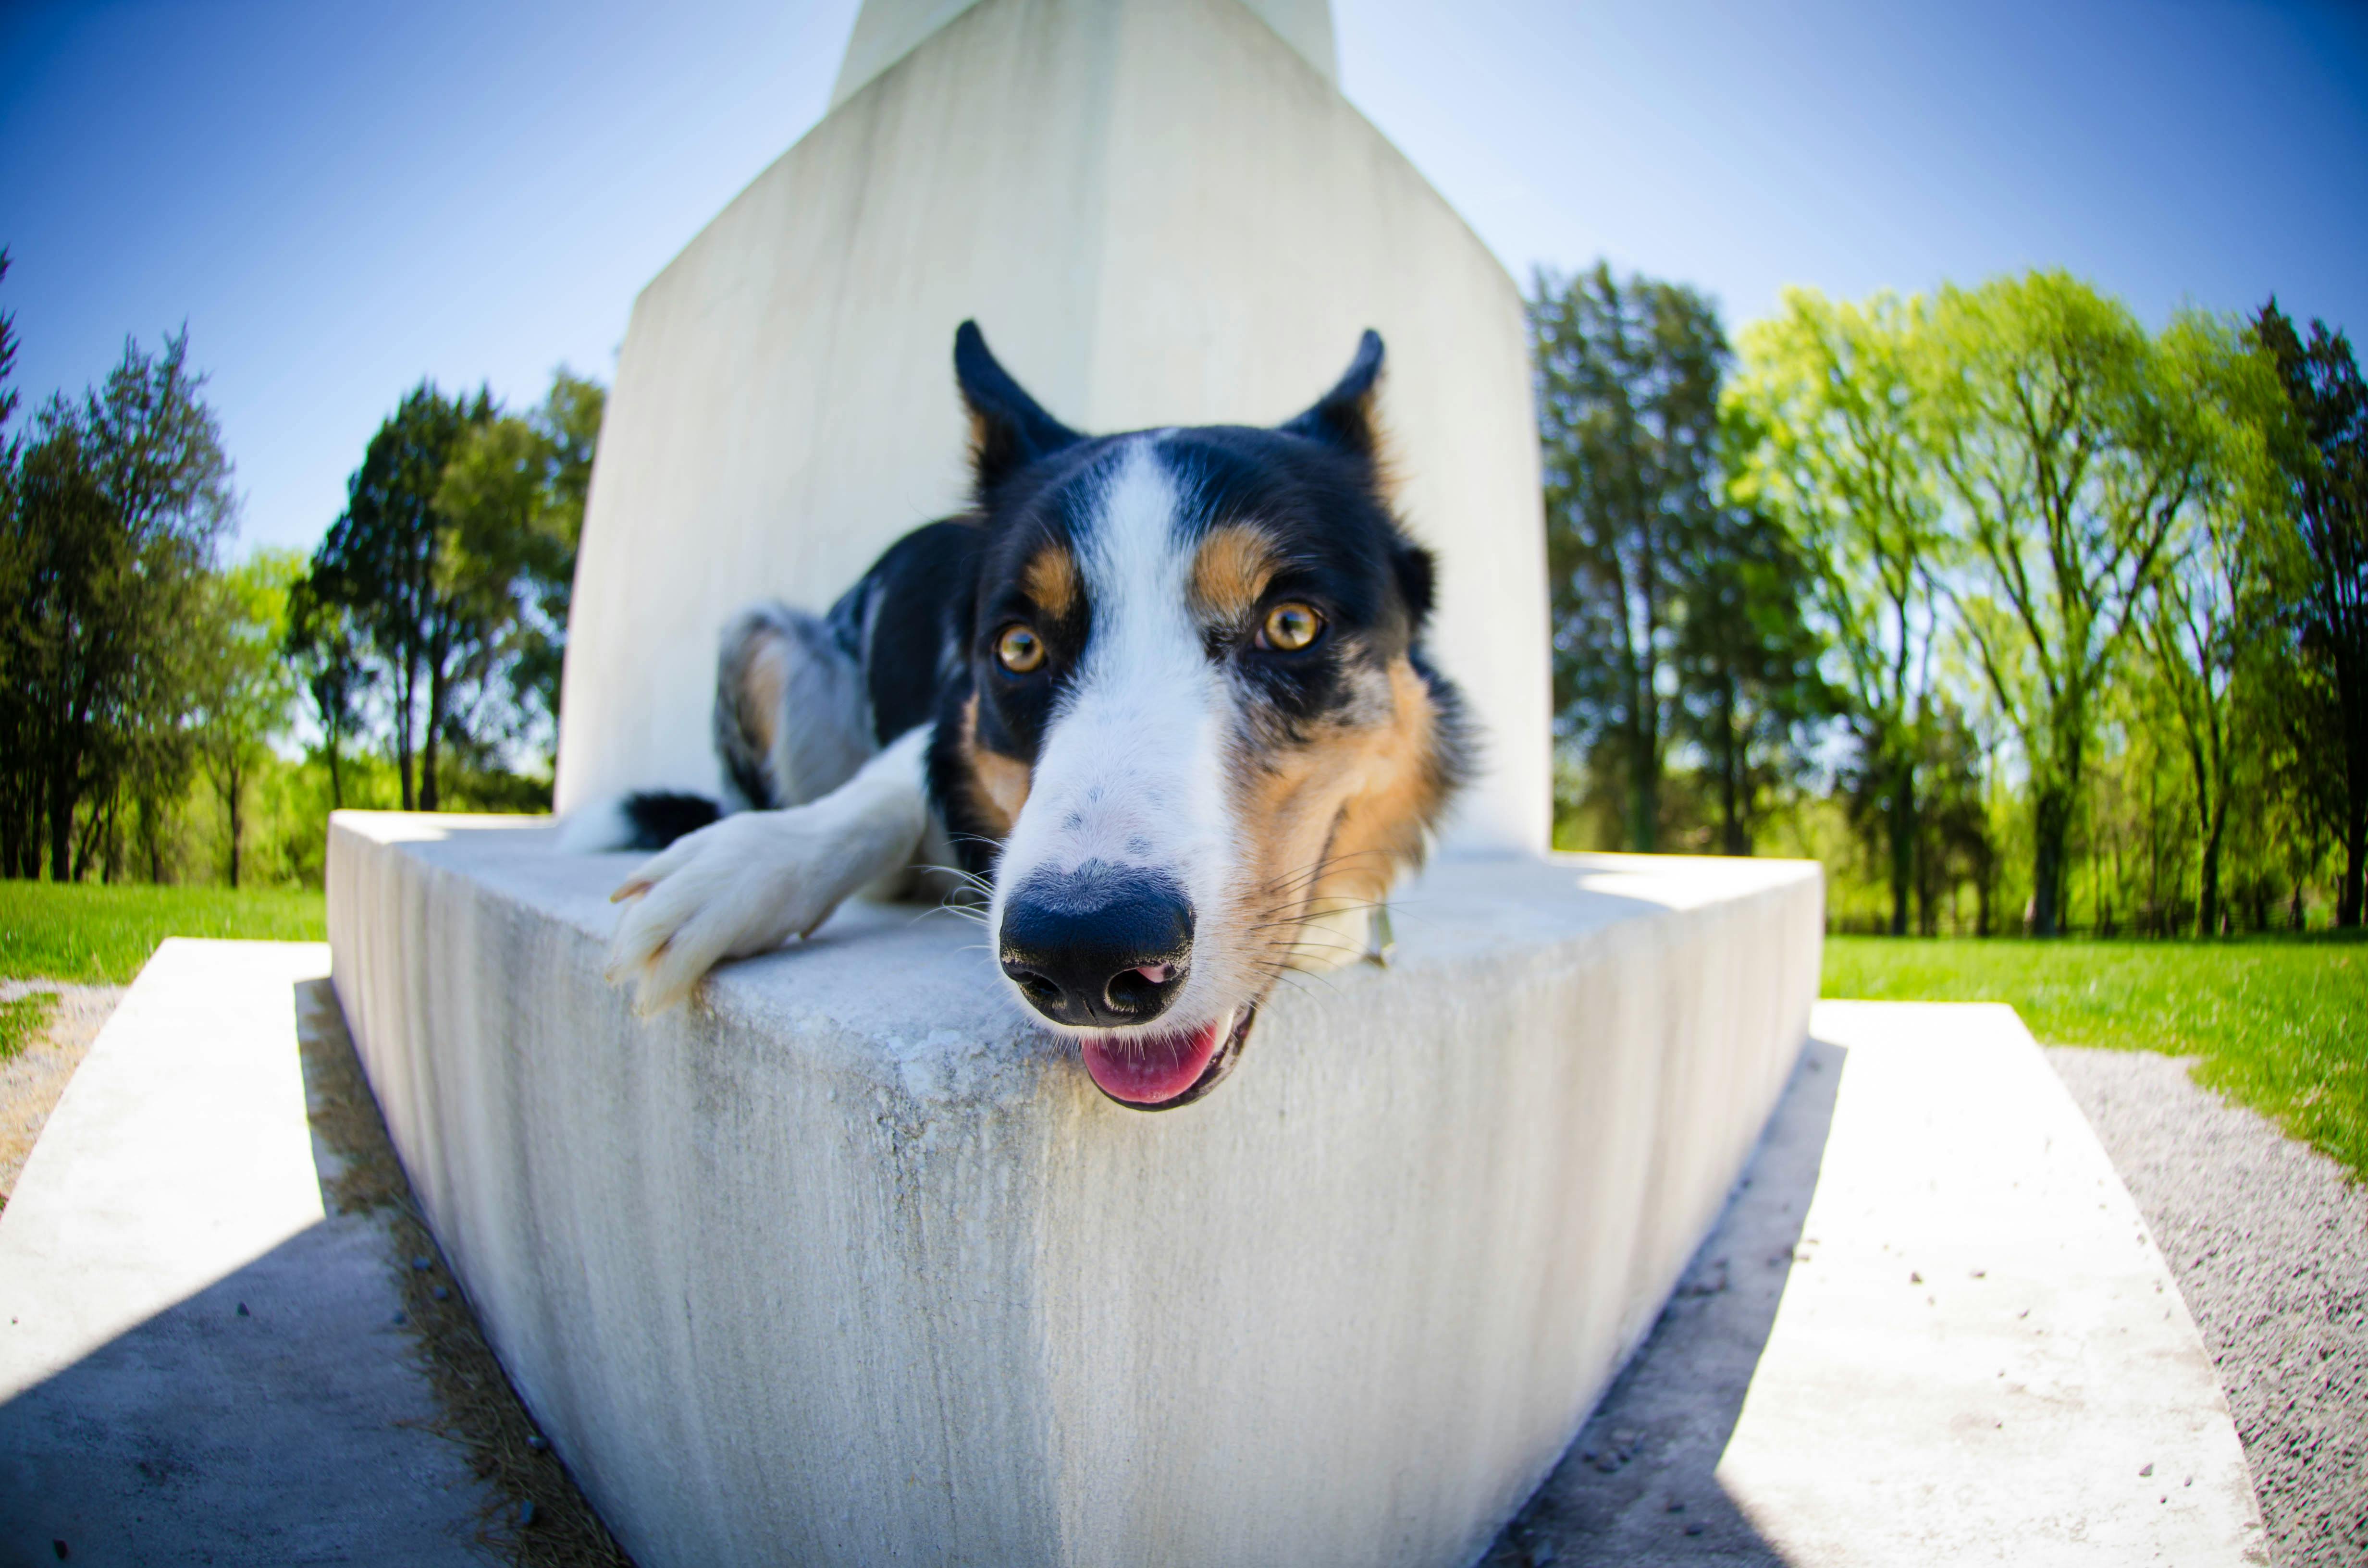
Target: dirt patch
32, 1079
537, 1519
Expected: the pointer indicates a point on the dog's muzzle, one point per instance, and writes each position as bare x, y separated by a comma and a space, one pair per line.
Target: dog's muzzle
1101, 946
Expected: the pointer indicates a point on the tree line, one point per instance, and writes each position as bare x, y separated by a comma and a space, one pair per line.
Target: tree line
1990, 589
167, 714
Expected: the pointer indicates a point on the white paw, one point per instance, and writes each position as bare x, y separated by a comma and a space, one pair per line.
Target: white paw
740, 886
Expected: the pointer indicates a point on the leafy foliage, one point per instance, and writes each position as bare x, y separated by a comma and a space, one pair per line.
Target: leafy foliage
1674, 614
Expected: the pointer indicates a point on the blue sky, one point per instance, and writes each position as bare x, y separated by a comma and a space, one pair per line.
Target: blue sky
338, 199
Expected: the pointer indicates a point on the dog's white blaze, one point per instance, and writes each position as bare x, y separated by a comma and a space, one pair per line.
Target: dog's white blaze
1131, 770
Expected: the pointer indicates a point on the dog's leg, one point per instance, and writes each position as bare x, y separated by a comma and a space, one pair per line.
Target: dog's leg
792, 721
749, 882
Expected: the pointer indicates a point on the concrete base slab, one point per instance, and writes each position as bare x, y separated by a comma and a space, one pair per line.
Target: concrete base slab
1930, 1328
198, 1357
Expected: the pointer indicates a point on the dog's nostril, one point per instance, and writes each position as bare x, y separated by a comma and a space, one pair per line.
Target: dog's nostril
1035, 987
1140, 991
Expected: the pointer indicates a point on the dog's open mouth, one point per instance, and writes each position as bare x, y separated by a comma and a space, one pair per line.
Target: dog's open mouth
1159, 1072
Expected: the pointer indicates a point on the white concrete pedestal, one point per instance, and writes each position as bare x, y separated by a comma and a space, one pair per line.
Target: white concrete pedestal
848, 1263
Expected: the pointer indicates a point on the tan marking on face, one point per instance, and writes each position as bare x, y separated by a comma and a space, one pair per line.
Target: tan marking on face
1231, 569
1051, 579
1330, 823
999, 783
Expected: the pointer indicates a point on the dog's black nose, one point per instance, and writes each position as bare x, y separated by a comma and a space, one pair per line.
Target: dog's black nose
1098, 946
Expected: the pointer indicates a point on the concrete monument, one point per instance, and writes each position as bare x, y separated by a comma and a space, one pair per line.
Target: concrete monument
847, 1261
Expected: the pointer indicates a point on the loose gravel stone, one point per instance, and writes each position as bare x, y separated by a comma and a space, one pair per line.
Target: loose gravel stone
2269, 1241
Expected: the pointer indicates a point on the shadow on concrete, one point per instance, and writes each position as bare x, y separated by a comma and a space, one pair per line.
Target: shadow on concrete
301, 1407
1638, 1487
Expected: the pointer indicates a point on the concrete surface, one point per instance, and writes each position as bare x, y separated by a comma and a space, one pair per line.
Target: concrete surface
846, 1262
887, 30
1161, 213
2268, 1240
197, 1363
1931, 1329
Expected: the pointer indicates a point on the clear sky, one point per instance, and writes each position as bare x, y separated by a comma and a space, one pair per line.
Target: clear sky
341, 199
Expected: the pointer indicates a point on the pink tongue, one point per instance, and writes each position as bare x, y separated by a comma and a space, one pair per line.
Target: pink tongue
1150, 1069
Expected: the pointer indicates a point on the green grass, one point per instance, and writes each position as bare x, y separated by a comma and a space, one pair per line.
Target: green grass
23, 1018
102, 935
2281, 1025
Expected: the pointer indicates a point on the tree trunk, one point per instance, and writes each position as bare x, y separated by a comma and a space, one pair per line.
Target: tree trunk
2052, 825
2207, 901
237, 784
61, 825
1731, 784
2355, 863
1903, 847
337, 782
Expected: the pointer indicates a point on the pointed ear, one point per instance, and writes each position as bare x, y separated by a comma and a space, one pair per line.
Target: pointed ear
1007, 430
1343, 418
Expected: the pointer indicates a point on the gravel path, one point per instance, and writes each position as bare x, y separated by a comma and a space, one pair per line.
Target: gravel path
2269, 1241
31, 1081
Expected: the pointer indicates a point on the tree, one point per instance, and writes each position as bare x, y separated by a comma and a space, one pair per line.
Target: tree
515, 491
2323, 585
116, 505
1628, 384
2204, 622
1746, 665
324, 648
2069, 444
425, 605
1822, 433
243, 684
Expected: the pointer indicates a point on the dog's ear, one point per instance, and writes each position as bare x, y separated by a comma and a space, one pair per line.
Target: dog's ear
1343, 418
1008, 429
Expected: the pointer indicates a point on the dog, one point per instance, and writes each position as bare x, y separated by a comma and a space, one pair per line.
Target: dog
1157, 701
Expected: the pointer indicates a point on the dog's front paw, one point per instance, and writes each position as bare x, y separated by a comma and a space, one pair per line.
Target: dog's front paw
740, 886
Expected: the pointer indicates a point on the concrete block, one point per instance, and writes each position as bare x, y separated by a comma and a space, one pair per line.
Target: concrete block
847, 1262
1161, 213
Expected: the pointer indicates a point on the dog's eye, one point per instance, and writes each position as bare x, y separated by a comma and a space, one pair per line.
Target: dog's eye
1018, 650
1290, 626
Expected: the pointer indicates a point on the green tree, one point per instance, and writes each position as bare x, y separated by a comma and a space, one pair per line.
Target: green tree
2070, 444
515, 492
424, 604
1628, 384
245, 685
115, 506
1746, 664
2323, 584
1821, 435
326, 648
2206, 621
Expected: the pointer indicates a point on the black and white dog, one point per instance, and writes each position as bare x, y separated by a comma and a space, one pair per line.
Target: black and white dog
1158, 700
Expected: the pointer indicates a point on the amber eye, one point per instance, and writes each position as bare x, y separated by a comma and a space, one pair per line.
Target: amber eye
1290, 626
1020, 650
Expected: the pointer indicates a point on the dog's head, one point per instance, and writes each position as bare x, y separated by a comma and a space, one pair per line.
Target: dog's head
1195, 716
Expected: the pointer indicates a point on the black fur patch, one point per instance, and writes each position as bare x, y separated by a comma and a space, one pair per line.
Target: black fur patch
658, 818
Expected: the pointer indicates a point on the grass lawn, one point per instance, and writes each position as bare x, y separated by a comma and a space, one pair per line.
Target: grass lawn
2282, 1025
102, 935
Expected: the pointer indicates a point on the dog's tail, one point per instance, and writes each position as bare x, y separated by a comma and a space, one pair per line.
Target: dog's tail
650, 819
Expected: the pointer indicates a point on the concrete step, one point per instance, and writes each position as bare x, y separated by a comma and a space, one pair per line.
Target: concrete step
199, 1361
1930, 1328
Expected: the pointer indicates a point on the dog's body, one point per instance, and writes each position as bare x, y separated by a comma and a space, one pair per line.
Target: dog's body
1158, 702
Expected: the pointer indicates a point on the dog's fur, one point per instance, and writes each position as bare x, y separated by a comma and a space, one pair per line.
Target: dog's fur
1167, 776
